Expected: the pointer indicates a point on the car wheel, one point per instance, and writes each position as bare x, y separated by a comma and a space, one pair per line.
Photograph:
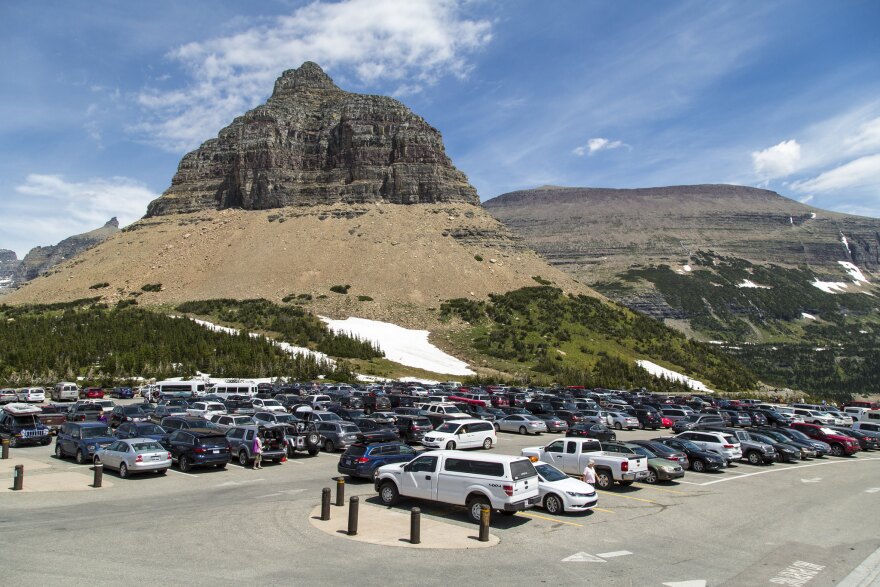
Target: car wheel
652, 476
123, 470
553, 504
388, 493
59, 454
626, 483
46, 442
183, 463
80, 458
314, 452
487, 444
698, 466
242, 458
604, 480
837, 450
161, 471
618, 426
312, 439
221, 466
475, 508
522, 430
450, 445
328, 446
754, 458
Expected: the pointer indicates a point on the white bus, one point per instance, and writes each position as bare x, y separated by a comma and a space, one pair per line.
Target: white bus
180, 388
224, 390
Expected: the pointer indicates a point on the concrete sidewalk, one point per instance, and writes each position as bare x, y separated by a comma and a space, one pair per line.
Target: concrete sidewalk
40, 476
388, 527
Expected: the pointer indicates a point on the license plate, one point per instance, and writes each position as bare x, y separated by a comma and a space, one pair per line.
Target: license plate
216, 451
155, 458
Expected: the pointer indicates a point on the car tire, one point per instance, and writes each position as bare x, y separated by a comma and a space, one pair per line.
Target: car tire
328, 446
161, 471
553, 504
487, 443
522, 430
837, 450
46, 441
475, 508
604, 480
313, 452
652, 477
123, 470
183, 464
59, 452
754, 457
626, 483
221, 466
388, 493
243, 458
80, 458
450, 445
618, 426
698, 466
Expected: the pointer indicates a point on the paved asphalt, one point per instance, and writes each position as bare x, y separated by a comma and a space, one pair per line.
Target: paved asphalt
810, 523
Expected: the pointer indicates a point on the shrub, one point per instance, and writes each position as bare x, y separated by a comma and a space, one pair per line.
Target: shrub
152, 287
340, 289
101, 285
365, 299
478, 258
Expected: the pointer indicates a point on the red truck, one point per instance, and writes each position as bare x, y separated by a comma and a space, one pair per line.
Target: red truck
840, 445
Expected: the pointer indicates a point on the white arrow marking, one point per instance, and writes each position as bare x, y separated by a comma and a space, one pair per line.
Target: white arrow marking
582, 557
872, 490
813, 480
614, 554
691, 583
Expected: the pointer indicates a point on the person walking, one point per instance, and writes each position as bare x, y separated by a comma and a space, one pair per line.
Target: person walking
258, 452
590, 473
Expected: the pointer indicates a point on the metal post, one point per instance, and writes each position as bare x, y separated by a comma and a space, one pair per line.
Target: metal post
340, 491
484, 523
99, 475
353, 515
415, 526
325, 504
18, 478
5, 448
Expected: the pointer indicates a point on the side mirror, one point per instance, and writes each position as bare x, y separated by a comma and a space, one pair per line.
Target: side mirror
407, 468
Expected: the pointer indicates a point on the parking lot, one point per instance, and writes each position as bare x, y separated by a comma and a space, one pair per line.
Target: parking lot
813, 522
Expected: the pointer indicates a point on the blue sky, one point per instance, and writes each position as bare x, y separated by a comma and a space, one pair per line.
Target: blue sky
101, 99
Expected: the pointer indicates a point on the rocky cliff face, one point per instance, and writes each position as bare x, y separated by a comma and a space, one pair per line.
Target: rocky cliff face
313, 143
8, 265
41, 259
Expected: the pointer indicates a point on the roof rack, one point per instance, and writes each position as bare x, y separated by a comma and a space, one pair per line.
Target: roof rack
21, 409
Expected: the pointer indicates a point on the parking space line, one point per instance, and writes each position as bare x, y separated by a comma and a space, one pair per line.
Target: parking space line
550, 519
603, 510
664, 490
634, 498
181, 473
789, 469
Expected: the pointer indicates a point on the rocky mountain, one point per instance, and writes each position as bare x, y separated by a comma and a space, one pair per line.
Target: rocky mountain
39, 260
8, 265
313, 143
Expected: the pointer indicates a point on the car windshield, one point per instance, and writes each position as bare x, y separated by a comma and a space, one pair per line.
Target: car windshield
522, 469
453, 410
213, 441
133, 411
146, 446
96, 431
796, 434
271, 402
827, 431
448, 427
550, 473
26, 420
245, 420
688, 445
644, 452
150, 429
421, 422
285, 418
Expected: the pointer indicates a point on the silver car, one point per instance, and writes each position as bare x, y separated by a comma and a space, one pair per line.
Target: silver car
224, 421
134, 455
621, 420
522, 423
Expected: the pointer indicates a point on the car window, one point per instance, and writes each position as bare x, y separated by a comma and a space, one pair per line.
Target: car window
571, 448
557, 446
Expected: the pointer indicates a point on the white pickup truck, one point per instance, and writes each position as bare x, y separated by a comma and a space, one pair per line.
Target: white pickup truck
572, 455
505, 483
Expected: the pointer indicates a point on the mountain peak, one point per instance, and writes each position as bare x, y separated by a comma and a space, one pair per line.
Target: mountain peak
307, 77
112, 223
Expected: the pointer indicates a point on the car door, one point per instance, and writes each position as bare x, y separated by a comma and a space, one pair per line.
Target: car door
114, 454
555, 452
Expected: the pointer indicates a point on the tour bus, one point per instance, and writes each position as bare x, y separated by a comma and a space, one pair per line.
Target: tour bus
65, 391
182, 389
225, 390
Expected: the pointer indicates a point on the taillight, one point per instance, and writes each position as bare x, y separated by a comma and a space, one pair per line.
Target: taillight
362, 460
673, 458
198, 449
169, 456
729, 446
139, 459
624, 466
508, 489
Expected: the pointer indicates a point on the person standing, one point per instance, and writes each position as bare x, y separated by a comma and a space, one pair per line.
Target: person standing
258, 452
590, 473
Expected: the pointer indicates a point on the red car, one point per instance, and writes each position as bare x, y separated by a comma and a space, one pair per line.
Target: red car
93, 393
666, 422
840, 445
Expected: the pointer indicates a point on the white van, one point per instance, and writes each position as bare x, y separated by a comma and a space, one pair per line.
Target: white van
181, 388
225, 390
863, 414
65, 391
461, 433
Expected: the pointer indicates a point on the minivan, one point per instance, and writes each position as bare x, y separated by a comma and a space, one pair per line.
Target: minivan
461, 433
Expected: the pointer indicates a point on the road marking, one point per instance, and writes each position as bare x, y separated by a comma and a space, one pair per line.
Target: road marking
181, 473
691, 583
774, 470
634, 498
583, 557
798, 573
603, 510
614, 554
866, 574
651, 487
813, 480
269, 495
872, 490
551, 519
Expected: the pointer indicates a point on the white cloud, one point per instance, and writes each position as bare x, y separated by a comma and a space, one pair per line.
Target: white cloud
597, 144
862, 175
777, 161
412, 43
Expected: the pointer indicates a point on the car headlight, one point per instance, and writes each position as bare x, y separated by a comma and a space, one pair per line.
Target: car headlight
576, 494
90, 448
667, 469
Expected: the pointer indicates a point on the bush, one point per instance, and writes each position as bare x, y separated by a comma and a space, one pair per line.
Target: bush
340, 289
541, 280
101, 285
152, 287
478, 258
365, 299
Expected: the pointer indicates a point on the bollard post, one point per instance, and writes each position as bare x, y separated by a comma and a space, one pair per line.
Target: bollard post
18, 478
99, 475
325, 504
484, 523
340, 491
5, 448
353, 515
415, 526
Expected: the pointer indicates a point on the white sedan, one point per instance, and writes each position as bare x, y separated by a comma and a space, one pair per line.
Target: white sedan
561, 493
134, 455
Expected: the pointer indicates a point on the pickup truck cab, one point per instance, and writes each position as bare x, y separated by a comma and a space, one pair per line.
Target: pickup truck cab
505, 483
572, 455
21, 424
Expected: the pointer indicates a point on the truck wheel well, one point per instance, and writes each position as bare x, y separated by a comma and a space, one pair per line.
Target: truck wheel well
477, 494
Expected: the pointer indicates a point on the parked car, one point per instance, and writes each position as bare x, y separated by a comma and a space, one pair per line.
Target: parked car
773, 417
347, 414
92, 393
699, 459
413, 428
552, 421
697, 421
274, 418
337, 435
866, 441
724, 445
840, 445
239, 405
21, 424
32, 395
822, 448
187, 423
226, 421
122, 393
572, 455
807, 450
149, 430
363, 459
523, 424
597, 431
621, 420
82, 439
787, 453
198, 447
372, 430
755, 452
738, 418
161, 412
461, 433
130, 413
268, 405
135, 455
241, 443
659, 469
561, 493
85, 412
205, 409
664, 452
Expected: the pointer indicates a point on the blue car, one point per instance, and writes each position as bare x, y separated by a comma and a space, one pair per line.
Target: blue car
361, 460
81, 439
122, 393
141, 430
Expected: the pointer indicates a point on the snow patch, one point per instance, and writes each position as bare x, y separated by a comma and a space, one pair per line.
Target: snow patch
854, 272
791, 220
845, 243
752, 284
658, 371
830, 286
284, 346
863, 332
812, 215
401, 345
687, 268
808, 316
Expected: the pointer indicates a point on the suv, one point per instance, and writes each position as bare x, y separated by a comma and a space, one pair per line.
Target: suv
197, 447
840, 445
362, 460
20, 423
81, 440
462, 433
724, 445
372, 430
241, 442
187, 423
696, 422
337, 435
754, 451
130, 413
413, 428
